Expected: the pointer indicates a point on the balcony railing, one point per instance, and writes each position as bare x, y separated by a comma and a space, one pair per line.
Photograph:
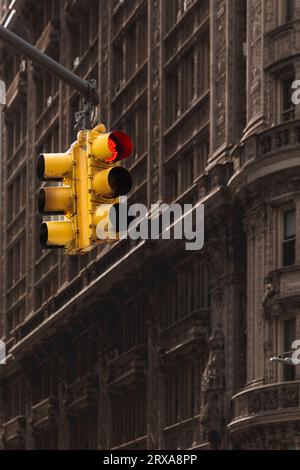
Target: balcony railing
128, 368
271, 403
184, 435
187, 334
44, 413
14, 432
82, 394
276, 140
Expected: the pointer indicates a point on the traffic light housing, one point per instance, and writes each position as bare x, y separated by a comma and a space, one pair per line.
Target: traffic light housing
90, 184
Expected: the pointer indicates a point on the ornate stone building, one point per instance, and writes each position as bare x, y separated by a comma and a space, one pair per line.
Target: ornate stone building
143, 344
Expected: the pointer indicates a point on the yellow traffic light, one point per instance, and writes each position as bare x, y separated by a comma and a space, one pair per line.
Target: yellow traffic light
56, 234
112, 147
109, 181
57, 200
90, 182
54, 166
112, 182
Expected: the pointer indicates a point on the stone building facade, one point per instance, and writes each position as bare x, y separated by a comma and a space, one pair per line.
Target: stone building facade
144, 344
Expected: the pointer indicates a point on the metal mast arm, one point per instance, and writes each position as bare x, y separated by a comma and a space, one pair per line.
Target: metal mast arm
83, 86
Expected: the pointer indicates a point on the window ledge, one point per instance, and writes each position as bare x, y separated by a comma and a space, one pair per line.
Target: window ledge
282, 28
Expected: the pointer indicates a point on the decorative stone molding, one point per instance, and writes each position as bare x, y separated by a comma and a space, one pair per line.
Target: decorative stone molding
128, 369
183, 337
276, 404
44, 414
82, 394
14, 433
282, 291
212, 391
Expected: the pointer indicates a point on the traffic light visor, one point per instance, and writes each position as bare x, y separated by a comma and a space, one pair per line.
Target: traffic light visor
54, 166
56, 234
112, 147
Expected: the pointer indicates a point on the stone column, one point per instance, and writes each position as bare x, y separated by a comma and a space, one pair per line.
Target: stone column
255, 63
154, 383
155, 118
227, 75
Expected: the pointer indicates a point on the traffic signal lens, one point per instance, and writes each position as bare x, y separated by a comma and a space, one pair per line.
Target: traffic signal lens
112, 182
123, 146
112, 147
120, 180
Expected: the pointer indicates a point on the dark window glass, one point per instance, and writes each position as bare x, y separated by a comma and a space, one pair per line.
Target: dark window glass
289, 237
289, 10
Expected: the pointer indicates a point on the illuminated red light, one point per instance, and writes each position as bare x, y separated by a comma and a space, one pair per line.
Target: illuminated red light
113, 149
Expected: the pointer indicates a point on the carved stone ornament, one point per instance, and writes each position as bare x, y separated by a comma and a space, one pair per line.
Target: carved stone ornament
212, 391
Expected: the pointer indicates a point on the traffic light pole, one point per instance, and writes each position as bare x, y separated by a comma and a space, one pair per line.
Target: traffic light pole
85, 87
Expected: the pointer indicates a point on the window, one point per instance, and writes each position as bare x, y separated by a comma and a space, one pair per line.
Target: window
287, 106
14, 400
172, 12
47, 86
136, 127
288, 237
82, 356
173, 182
187, 175
172, 95
129, 53
16, 261
286, 11
201, 156
47, 289
46, 383
182, 390
84, 431
203, 65
16, 316
16, 196
288, 338
185, 292
175, 9
11, 67
129, 415
187, 81
44, 12
181, 171
128, 326
16, 129
85, 32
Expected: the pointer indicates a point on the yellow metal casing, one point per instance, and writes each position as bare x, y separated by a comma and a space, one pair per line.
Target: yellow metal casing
56, 233
54, 166
92, 182
110, 147
107, 180
57, 200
